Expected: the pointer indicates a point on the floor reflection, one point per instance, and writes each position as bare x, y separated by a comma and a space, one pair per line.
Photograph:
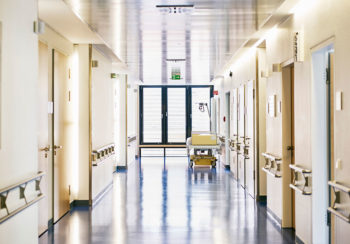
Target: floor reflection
163, 201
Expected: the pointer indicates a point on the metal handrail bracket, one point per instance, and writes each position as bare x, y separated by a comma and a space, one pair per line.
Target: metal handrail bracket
272, 165
22, 185
337, 188
101, 154
306, 174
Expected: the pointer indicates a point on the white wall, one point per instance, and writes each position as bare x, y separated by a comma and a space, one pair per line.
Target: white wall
83, 134
318, 20
121, 120
18, 132
102, 120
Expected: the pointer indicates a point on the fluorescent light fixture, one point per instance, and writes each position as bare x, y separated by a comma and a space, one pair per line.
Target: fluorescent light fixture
175, 60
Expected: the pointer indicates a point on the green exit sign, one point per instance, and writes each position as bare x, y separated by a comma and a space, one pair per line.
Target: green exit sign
175, 73
176, 77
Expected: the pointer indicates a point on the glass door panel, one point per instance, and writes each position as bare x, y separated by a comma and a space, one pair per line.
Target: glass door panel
176, 115
152, 115
201, 109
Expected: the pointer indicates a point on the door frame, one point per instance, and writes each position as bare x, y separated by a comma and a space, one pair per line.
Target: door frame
47, 154
288, 143
228, 115
320, 60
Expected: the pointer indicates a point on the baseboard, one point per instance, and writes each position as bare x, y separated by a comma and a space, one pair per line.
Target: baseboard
274, 217
261, 198
121, 168
101, 194
79, 203
298, 240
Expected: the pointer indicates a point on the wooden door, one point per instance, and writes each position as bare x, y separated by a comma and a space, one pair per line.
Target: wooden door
60, 135
234, 133
44, 156
249, 139
241, 136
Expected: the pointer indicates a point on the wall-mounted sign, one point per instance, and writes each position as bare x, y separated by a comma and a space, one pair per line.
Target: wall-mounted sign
175, 73
271, 106
298, 46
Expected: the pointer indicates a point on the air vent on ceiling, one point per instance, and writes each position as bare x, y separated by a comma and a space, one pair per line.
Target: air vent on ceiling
176, 9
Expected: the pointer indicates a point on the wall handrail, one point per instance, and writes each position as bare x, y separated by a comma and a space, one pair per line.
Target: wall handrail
271, 157
22, 185
27, 180
303, 188
338, 214
222, 139
337, 188
273, 174
299, 169
232, 144
272, 165
98, 155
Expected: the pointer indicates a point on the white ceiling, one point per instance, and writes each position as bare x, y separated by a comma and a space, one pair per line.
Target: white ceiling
144, 38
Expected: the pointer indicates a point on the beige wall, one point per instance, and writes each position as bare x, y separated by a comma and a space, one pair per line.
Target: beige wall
244, 70
102, 120
18, 131
261, 113
83, 133
121, 120
318, 20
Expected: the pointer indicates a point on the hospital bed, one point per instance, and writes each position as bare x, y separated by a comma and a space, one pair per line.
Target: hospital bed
202, 149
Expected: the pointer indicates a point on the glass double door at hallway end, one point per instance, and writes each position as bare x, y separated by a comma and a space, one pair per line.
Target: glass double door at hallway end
163, 116
169, 113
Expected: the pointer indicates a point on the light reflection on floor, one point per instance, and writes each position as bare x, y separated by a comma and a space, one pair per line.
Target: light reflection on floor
162, 201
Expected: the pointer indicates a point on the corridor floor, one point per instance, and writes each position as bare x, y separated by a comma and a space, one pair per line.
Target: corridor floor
162, 201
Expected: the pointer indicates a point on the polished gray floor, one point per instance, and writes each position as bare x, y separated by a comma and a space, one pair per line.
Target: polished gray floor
162, 201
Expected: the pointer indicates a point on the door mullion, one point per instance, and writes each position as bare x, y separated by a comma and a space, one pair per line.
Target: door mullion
164, 117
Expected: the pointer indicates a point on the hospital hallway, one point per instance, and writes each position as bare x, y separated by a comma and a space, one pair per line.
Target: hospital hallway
161, 200
174, 121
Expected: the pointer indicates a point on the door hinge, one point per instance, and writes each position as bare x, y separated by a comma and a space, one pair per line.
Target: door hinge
328, 76
254, 175
290, 148
328, 218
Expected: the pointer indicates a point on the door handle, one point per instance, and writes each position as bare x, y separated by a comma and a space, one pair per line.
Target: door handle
290, 148
45, 149
55, 147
